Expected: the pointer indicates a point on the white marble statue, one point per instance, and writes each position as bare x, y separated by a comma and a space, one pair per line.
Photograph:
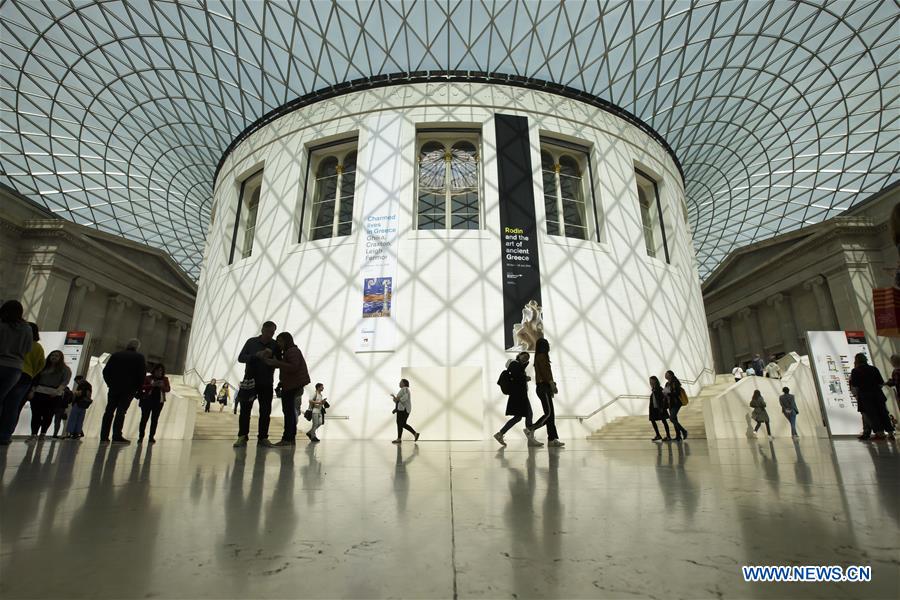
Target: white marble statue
530, 330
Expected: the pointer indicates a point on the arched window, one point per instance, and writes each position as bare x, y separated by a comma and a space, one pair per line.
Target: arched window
448, 182
564, 191
335, 182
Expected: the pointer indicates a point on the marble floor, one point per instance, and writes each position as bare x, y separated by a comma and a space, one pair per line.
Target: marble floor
359, 519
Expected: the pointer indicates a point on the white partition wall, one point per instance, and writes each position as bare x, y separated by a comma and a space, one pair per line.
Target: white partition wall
613, 314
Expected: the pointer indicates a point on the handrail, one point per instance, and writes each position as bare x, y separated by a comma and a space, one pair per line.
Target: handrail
581, 418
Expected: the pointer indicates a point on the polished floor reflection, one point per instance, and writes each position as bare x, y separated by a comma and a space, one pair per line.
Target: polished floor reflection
349, 519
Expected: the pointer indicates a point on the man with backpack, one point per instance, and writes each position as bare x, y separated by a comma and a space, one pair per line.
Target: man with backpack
514, 383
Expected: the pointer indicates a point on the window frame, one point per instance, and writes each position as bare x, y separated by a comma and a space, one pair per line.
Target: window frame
447, 138
239, 214
641, 174
315, 154
583, 158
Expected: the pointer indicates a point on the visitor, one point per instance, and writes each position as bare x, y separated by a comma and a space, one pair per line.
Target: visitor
124, 375
894, 381
673, 392
738, 372
773, 371
658, 410
789, 409
60, 406
49, 387
545, 387
403, 406
16, 340
317, 405
294, 376
153, 397
225, 396
866, 384
209, 394
32, 364
750, 371
517, 405
257, 384
760, 415
758, 365
82, 399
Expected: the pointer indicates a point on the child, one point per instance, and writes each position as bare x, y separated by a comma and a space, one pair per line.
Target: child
759, 413
80, 403
317, 405
403, 406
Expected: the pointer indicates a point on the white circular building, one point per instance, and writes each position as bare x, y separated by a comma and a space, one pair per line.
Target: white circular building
426, 229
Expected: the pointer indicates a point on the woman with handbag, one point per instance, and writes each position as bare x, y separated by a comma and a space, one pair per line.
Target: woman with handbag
673, 393
153, 397
760, 414
316, 411
49, 387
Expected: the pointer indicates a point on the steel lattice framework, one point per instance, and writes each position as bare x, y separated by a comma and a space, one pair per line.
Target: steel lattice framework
116, 113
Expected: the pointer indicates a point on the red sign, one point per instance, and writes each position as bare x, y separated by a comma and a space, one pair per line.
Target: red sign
886, 302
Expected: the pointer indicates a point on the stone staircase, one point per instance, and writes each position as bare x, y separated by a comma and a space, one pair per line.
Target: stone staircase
637, 427
215, 425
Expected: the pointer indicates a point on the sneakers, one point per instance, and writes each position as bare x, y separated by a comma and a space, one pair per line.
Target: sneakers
499, 437
397, 441
265, 443
668, 438
285, 444
315, 440
533, 443
657, 439
152, 441
556, 444
240, 442
120, 440
31, 439
684, 434
104, 440
416, 438
309, 435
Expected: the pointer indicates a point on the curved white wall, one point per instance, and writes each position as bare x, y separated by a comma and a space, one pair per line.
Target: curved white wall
613, 315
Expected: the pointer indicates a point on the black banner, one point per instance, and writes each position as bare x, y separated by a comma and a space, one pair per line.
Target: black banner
518, 235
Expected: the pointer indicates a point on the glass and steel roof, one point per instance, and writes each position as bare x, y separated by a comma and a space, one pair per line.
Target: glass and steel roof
116, 113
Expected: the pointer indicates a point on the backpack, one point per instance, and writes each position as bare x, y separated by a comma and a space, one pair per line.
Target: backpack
505, 382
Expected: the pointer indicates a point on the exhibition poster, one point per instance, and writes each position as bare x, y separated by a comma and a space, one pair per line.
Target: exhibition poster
522, 319
832, 354
378, 250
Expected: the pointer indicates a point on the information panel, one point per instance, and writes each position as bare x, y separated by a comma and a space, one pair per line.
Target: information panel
518, 234
378, 249
831, 354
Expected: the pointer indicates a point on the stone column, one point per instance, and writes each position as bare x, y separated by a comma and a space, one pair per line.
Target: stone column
114, 310
182, 351
751, 323
44, 295
149, 317
726, 344
788, 327
75, 303
173, 344
823, 302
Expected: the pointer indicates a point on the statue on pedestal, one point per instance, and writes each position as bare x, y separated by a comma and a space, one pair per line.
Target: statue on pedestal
530, 330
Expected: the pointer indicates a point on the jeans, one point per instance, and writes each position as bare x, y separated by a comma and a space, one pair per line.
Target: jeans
41, 413
402, 416
11, 406
673, 415
791, 416
151, 412
545, 393
514, 420
246, 397
289, 406
656, 428
117, 403
76, 420
316, 423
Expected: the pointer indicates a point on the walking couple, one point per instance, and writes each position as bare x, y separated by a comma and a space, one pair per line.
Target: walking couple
514, 383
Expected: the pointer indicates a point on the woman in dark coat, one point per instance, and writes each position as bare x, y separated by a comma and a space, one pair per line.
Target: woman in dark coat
658, 409
866, 383
672, 392
518, 406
